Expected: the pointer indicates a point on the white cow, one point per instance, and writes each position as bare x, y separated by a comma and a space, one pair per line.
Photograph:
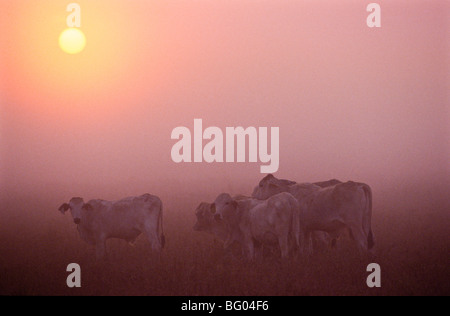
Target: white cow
270, 186
253, 222
99, 220
209, 221
333, 208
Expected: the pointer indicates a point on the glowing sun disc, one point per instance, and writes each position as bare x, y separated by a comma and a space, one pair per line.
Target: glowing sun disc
72, 41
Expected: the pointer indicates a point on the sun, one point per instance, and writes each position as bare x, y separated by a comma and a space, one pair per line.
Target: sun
72, 41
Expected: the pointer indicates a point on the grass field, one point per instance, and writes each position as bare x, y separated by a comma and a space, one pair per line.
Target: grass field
37, 244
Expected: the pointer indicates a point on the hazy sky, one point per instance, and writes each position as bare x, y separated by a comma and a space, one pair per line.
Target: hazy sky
351, 102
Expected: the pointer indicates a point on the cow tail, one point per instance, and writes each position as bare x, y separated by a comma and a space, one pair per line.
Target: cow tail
370, 241
296, 225
368, 217
160, 226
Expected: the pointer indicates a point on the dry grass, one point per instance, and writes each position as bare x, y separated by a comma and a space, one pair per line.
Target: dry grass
412, 249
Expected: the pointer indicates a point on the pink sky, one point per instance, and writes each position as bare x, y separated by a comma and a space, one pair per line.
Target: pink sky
351, 102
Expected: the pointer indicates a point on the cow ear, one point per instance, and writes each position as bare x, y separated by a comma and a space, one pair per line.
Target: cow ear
63, 208
87, 207
213, 208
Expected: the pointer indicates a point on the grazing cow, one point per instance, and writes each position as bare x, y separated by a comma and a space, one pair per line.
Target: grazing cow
331, 208
254, 222
99, 220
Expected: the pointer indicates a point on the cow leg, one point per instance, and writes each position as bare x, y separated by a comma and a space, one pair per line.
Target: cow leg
360, 238
321, 241
283, 242
334, 238
333, 242
308, 243
250, 249
259, 250
100, 248
301, 237
151, 232
304, 242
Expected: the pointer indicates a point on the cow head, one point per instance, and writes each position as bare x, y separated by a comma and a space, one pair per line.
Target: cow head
205, 217
224, 207
76, 206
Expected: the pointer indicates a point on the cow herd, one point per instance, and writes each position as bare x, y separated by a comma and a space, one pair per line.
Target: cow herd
280, 214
